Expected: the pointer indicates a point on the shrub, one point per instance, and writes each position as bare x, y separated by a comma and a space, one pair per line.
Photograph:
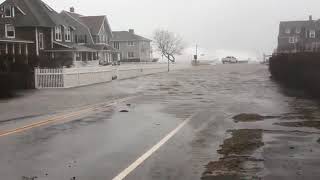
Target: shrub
298, 70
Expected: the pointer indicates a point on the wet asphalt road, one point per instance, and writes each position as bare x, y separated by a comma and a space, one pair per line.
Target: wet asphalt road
101, 144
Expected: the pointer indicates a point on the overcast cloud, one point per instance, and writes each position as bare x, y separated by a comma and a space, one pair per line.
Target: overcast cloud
246, 28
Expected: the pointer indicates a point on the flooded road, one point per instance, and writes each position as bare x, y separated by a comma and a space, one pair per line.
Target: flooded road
241, 125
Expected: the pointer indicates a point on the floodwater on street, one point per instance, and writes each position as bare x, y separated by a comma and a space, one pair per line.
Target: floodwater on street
242, 126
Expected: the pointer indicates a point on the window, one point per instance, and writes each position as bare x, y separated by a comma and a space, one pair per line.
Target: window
84, 56
116, 45
8, 11
67, 34
58, 34
41, 42
130, 43
10, 31
80, 39
95, 56
288, 31
78, 56
130, 54
102, 38
312, 34
89, 56
298, 30
293, 40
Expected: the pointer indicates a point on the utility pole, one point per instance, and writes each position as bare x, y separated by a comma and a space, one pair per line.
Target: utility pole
195, 56
196, 53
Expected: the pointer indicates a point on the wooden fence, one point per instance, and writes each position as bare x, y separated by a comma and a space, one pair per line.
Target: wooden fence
49, 78
74, 77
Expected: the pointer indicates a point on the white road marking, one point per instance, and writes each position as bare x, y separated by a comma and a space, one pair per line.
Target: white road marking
146, 155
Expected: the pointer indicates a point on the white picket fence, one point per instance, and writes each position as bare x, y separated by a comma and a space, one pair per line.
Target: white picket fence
72, 77
75, 77
49, 78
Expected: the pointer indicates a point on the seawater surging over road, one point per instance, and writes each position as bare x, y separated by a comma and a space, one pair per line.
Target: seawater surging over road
208, 122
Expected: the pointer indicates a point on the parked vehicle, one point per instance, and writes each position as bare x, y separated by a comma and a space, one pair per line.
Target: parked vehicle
229, 59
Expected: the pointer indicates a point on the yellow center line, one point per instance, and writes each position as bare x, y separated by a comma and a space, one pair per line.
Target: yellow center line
62, 117
44, 122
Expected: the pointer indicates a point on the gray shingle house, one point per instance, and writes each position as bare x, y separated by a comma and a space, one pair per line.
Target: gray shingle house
94, 32
299, 36
28, 29
32, 32
132, 47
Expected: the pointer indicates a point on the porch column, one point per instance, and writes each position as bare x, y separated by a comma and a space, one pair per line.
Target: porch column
51, 38
13, 53
20, 52
6, 48
74, 57
37, 42
26, 50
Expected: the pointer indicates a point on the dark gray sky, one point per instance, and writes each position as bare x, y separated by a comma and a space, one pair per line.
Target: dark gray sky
244, 28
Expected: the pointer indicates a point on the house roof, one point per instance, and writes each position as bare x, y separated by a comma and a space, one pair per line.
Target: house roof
37, 13
93, 22
127, 36
81, 28
298, 24
5, 40
100, 47
71, 47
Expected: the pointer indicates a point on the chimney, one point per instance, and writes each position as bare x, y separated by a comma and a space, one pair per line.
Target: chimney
310, 18
131, 31
72, 9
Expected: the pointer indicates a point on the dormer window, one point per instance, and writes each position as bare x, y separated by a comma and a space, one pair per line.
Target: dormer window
8, 11
131, 43
67, 35
10, 31
58, 33
312, 34
288, 31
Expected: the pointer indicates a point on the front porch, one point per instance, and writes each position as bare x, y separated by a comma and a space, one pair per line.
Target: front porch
14, 52
79, 56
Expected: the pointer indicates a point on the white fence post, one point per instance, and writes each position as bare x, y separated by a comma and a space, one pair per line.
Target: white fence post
36, 84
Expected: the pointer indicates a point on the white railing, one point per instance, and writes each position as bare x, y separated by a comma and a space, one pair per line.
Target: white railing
49, 78
74, 77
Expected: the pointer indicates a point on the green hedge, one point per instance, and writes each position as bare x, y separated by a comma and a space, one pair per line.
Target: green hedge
298, 70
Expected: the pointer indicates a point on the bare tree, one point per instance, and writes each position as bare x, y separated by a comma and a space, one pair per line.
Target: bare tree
168, 44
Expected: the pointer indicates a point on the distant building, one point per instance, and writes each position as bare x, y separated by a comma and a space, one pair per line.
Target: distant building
299, 36
132, 47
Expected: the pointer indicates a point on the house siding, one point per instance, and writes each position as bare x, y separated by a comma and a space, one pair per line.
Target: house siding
141, 51
304, 41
